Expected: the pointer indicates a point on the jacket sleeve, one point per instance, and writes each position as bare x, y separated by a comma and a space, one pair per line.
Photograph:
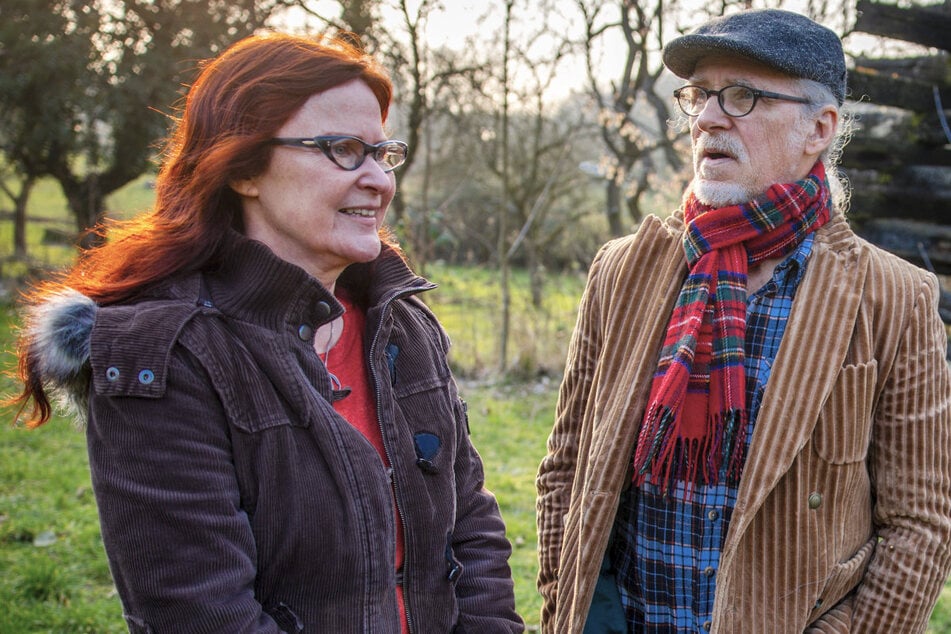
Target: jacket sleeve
557, 471
485, 590
910, 465
180, 547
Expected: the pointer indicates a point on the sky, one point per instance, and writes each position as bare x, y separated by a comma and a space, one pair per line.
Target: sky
459, 20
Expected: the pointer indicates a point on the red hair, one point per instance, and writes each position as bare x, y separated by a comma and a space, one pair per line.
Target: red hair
237, 103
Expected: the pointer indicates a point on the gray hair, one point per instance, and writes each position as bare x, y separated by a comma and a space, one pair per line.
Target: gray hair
820, 96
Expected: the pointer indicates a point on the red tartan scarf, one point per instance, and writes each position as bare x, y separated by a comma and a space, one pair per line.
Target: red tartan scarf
695, 421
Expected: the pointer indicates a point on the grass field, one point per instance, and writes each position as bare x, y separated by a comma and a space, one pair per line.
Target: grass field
54, 576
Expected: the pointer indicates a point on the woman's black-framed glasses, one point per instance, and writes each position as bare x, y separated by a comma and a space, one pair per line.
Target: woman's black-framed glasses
735, 100
349, 152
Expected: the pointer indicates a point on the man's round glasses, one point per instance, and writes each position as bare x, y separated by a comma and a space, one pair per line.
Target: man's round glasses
349, 152
735, 100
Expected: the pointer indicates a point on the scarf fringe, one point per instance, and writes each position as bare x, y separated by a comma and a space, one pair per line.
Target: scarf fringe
668, 458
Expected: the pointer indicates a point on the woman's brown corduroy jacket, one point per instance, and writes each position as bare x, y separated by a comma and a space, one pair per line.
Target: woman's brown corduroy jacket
843, 520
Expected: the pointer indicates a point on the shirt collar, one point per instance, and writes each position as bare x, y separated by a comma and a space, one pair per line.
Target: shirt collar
791, 270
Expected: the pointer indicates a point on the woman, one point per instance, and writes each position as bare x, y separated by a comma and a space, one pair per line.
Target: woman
275, 439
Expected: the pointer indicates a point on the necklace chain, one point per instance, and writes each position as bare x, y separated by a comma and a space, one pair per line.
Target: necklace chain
334, 381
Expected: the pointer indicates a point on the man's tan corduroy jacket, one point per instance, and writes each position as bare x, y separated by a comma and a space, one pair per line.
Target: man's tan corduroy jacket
843, 520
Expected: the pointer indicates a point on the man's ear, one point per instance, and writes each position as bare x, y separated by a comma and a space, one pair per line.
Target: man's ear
246, 187
823, 130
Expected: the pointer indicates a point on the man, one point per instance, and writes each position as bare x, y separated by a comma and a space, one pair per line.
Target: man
754, 429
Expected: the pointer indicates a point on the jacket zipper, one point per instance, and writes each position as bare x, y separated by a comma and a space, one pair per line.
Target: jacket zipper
377, 391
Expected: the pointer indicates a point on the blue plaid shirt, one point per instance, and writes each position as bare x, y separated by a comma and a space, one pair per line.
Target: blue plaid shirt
666, 548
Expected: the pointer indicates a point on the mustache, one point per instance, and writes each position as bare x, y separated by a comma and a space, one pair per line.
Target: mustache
710, 144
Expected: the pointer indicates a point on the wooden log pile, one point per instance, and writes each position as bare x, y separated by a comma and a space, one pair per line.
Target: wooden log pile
899, 159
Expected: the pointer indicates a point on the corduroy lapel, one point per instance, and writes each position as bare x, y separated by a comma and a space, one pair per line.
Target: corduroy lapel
813, 349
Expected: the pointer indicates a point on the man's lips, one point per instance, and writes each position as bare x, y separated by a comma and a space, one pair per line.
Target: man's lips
715, 154
711, 161
716, 148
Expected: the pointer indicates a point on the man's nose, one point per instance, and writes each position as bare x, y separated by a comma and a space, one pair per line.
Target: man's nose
712, 115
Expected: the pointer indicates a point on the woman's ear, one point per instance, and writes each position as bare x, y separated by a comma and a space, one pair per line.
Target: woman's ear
823, 131
246, 187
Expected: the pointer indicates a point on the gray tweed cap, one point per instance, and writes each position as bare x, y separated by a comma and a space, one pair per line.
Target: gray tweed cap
786, 41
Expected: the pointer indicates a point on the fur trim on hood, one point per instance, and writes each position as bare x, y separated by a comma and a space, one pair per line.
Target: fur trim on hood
59, 331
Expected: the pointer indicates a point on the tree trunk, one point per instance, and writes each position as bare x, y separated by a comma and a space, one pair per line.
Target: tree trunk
502, 245
87, 202
419, 231
634, 210
397, 205
927, 25
898, 90
536, 274
19, 217
898, 161
613, 206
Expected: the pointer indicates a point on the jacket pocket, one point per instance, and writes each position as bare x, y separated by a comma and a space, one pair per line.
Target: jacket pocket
285, 618
432, 413
841, 580
454, 568
843, 430
838, 620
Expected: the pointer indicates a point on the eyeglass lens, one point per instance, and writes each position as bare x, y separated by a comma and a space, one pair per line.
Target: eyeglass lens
349, 153
736, 101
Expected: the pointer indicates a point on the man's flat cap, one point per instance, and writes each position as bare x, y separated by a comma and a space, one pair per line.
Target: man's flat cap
783, 40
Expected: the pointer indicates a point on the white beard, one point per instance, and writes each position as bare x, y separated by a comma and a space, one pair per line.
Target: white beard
719, 194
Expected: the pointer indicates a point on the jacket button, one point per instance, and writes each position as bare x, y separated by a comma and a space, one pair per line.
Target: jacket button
305, 332
815, 500
708, 571
707, 625
322, 310
146, 377
454, 572
112, 374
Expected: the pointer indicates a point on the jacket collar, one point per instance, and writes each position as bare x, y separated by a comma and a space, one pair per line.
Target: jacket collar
374, 283
251, 283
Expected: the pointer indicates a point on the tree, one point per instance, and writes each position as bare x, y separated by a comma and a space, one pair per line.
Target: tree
546, 167
142, 53
19, 197
633, 112
357, 20
503, 210
526, 147
423, 73
453, 194
44, 51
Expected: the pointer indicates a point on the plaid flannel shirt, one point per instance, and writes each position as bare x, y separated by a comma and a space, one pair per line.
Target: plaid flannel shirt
666, 549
